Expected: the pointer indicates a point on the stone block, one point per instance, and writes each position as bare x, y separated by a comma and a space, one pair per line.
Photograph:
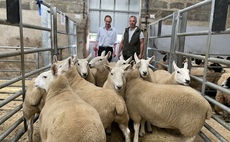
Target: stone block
176, 5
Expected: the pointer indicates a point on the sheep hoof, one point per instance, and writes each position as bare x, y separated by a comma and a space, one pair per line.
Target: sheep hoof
141, 134
108, 131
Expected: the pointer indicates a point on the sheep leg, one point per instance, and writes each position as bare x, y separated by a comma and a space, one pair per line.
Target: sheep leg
190, 139
108, 130
149, 127
125, 130
136, 131
30, 129
142, 131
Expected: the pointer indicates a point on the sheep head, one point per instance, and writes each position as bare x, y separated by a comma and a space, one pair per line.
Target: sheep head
181, 75
123, 62
100, 61
143, 65
116, 76
82, 66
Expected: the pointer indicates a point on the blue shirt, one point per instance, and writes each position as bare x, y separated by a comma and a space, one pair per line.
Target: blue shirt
106, 37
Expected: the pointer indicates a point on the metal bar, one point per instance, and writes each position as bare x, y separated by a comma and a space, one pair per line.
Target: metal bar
54, 13
162, 19
223, 123
8, 115
17, 53
27, 61
215, 133
227, 31
117, 11
162, 36
15, 47
190, 55
26, 75
12, 71
213, 101
61, 32
12, 97
9, 130
204, 137
195, 6
45, 4
3, 22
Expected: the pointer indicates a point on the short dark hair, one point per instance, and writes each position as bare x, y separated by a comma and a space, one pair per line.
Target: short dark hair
132, 16
109, 17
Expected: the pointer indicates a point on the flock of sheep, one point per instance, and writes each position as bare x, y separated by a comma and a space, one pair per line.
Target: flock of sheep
78, 99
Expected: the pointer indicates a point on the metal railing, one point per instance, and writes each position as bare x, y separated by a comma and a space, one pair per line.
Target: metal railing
176, 52
52, 48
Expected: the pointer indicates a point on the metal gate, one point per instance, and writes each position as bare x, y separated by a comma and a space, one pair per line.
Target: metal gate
176, 38
22, 68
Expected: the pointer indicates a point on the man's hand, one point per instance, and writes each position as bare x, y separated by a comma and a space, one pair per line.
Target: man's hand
140, 56
114, 54
95, 48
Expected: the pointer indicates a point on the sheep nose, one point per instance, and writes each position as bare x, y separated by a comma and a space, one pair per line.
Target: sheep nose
187, 81
84, 74
144, 73
119, 87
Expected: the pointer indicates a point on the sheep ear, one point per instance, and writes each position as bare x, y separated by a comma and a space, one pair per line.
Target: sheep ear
129, 59
108, 67
121, 57
185, 65
88, 58
175, 66
108, 55
125, 67
55, 60
75, 60
54, 69
138, 64
69, 62
72, 56
136, 58
151, 59
103, 53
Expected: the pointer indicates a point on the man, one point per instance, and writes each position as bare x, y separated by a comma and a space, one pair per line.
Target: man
106, 38
132, 40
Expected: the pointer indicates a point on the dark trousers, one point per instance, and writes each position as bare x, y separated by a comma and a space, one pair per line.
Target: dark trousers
106, 49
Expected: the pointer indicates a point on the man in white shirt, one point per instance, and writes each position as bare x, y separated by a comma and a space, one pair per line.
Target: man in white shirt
106, 38
132, 40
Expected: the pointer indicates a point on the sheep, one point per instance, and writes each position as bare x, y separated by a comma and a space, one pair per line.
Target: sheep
110, 106
166, 106
99, 63
83, 69
65, 116
32, 104
223, 97
143, 67
162, 61
179, 76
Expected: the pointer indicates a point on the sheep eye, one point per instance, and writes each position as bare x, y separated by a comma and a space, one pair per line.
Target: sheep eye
45, 77
100, 59
178, 72
78, 64
111, 73
124, 63
60, 66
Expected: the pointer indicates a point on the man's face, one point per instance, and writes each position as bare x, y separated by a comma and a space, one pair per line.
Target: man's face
107, 21
132, 22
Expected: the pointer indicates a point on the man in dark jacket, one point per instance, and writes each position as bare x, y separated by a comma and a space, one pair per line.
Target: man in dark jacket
132, 40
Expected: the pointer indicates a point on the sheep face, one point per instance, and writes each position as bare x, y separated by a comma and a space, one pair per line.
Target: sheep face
123, 62
224, 80
143, 65
116, 76
100, 61
43, 80
181, 74
82, 66
226, 83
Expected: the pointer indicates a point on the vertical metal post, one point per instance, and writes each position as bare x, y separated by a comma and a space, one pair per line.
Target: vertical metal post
208, 47
173, 43
55, 42
181, 29
22, 56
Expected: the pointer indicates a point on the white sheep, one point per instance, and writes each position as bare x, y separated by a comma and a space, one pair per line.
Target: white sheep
179, 76
99, 63
83, 69
110, 106
223, 97
65, 116
32, 105
166, 106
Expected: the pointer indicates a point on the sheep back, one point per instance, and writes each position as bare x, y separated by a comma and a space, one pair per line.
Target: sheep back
66, 117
